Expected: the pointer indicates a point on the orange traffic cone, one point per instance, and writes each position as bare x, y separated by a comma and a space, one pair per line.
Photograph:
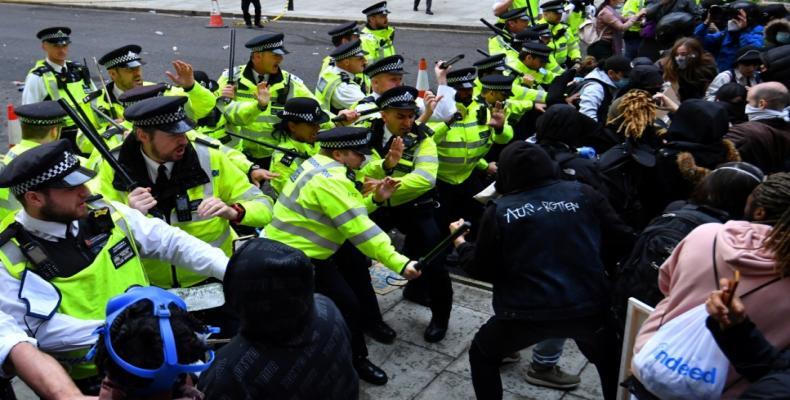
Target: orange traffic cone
14, 128
215, 17
422, 78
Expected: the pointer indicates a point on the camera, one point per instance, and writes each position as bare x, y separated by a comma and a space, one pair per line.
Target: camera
723, 13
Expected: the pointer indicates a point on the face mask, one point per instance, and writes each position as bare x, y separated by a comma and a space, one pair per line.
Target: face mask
757, 113
681, 61
783, 37
732, 26
622, 83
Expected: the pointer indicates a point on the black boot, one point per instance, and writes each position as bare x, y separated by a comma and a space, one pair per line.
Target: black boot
416, 4
381, 332
428, 7
369, 372
436, 330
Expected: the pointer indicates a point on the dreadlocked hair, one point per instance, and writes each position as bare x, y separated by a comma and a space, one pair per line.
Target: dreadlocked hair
773, 195
137, 340
637, 113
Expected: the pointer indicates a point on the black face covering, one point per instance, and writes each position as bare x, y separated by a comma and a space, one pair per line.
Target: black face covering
735, 111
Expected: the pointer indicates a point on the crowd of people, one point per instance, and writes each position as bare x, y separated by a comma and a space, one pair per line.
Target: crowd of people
636, 149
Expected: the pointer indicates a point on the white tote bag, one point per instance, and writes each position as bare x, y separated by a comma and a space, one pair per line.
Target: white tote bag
682, 360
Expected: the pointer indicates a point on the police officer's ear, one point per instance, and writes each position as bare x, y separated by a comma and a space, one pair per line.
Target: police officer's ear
32, 199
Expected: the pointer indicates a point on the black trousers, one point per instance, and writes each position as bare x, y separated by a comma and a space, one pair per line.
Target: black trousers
418, 222
457, 201
499, 337
245, 9
342, 285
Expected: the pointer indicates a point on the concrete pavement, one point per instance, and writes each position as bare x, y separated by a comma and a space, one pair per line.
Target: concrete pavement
448, 14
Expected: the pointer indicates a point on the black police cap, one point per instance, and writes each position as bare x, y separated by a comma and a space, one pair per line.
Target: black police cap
203, 79
378, 8
42, 113
124, 57
346, 137
50, 165
348, 50
497, 61
516, 13
463, 78
344, 29
388, 65
164, 113
553, 5
274, 42
55, 35
303, 109
140, 93
402, 97
536, 49
500, 83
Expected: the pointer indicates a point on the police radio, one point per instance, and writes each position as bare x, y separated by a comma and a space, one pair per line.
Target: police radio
183, 210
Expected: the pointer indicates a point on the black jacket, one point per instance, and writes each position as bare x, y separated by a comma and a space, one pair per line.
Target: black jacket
755, 359
764, 143
541, 249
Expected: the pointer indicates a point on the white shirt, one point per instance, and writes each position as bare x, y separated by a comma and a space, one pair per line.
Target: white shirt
154, 238
35, 89
724, 78
346, 94
443, 111
10, 336
153, 167
592, 94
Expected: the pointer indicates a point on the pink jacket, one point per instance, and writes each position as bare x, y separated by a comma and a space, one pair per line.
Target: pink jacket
687, 278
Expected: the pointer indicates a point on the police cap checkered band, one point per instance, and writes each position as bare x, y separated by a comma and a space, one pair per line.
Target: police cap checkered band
41, 121
553, 5
56, 35
534, 51
62, 168
353, 49
122, 60
345, 29
469, 76
346, 144
497, 61
499, 87
303, 116
403, 98
393, 64
268, 46
162, 119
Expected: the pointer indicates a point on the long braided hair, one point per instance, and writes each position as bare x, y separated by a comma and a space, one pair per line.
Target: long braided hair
774, 196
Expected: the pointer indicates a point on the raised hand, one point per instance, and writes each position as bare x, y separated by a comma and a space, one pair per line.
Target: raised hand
184, 76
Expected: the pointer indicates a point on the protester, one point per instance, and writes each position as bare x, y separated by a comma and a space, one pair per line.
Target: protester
733, 97
601, 85
540, 291
293, 343
149, 346
611, 25
777, 33
743, 30
744, 72
765, 140
756, 249
689, 68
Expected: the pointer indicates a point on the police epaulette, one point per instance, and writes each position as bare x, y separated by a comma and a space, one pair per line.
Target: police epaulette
205, 142
345, 78
423, 129
94, 197
39, 71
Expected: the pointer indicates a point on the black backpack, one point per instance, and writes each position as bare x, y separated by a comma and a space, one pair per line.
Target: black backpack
637, 274
623, 167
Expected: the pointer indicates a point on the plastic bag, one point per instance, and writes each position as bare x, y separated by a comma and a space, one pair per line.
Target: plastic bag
682, 360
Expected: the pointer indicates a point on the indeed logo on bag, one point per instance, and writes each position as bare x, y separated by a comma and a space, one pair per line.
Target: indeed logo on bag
682, 368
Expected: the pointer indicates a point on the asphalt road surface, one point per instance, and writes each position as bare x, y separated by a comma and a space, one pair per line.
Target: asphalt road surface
168, 37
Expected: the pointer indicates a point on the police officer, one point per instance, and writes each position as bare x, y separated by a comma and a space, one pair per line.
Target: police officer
300, 121
541, 33
125, 68
260, 89
340, 35
534, 56
412, 208
41, 123
377, 35
191, 185
463, 142
339, 87
522, 99
320, 209
388, 72
65, 254
564, 43
55, 77
515, 21
503, 6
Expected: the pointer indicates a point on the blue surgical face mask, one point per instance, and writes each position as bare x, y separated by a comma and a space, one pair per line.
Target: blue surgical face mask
681, 61
622, 83
783, 37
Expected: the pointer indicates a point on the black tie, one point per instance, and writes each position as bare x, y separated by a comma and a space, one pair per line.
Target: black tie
161, 177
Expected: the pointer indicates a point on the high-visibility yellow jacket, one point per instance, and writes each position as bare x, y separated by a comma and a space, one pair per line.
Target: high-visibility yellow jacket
73, 80
320, 208
244, 117
463, 145
204, 172
378, 42
564, 44
286, 164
